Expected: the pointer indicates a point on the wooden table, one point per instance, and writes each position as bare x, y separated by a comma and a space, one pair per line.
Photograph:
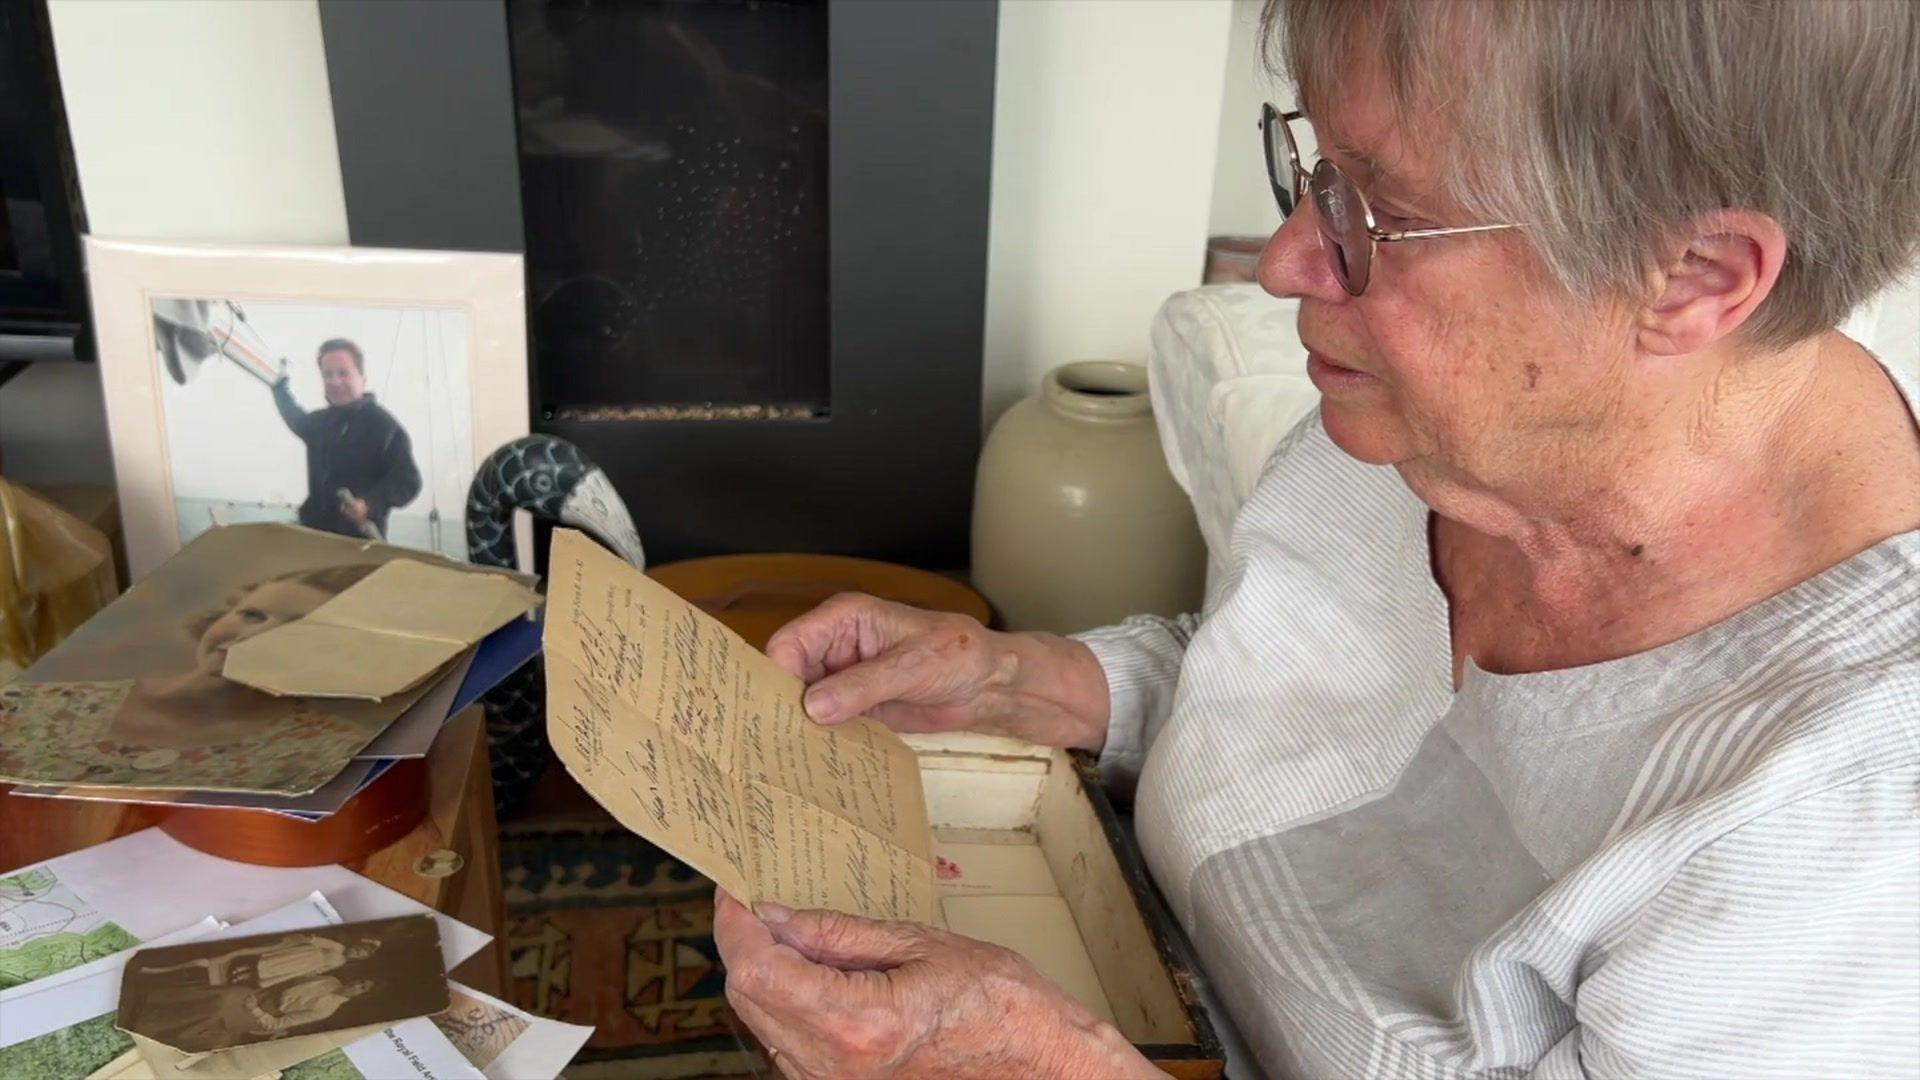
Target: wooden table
459, 819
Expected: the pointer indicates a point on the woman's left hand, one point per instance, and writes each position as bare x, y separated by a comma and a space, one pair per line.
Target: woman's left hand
835, 995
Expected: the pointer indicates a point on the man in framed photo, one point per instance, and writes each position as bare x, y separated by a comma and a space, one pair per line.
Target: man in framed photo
359, 459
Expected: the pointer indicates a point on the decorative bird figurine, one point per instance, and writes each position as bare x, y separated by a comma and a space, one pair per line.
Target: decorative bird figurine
552, 479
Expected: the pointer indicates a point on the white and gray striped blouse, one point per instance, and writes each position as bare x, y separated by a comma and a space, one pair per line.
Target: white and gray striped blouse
1699, 861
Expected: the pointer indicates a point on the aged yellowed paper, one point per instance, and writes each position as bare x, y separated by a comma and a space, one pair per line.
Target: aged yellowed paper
698, 742
385, 634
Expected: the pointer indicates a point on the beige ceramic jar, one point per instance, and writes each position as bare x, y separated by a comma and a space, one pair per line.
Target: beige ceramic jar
1076, 521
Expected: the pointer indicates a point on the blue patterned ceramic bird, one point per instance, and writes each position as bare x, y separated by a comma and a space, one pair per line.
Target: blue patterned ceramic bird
552, 479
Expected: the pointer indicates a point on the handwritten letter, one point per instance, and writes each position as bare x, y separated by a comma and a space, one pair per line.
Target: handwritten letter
697, 742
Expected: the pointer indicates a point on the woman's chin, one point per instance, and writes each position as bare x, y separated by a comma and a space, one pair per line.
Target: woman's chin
1367, 432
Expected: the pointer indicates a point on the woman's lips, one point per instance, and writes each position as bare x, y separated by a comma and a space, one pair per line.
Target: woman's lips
1330, 377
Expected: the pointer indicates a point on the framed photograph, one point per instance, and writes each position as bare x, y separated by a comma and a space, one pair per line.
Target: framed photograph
351, 390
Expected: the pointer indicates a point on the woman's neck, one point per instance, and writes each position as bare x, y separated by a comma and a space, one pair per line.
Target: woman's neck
1747, 491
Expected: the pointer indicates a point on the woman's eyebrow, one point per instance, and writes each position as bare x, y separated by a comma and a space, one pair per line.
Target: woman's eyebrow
1372, 171
1376, 173
1377, 180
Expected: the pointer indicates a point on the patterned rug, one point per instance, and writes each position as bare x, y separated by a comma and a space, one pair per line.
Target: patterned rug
606, 929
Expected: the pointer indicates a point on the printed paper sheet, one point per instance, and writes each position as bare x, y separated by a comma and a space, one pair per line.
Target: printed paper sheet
46, 927
150, 883
507, 1043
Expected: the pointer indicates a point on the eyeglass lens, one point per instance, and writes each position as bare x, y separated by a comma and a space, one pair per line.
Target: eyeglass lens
1338, 205
1280, 171
1343, 226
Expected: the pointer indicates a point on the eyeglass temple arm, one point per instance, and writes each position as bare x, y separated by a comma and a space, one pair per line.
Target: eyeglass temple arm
1385, 235
1424, 234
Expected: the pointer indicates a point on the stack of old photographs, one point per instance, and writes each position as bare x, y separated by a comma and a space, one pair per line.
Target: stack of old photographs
266, 667
107, 973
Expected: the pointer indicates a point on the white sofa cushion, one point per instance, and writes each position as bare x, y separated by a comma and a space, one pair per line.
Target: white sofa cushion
1228, 377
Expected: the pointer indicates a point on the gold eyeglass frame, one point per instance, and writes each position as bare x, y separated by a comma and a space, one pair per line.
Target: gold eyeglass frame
1305, 182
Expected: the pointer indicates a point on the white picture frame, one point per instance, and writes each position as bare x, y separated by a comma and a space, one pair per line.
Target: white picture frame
481, 295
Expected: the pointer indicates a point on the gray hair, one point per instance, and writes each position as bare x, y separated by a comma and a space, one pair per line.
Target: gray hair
1607, 127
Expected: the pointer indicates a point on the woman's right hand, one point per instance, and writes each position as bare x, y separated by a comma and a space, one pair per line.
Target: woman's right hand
922, 671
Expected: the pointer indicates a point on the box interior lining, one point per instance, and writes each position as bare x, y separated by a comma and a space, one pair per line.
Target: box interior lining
1055, 868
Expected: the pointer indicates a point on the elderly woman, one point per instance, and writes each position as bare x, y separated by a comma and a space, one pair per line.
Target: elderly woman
1558, 714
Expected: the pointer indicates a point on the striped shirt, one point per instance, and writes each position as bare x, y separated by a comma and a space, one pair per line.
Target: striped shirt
1698, 861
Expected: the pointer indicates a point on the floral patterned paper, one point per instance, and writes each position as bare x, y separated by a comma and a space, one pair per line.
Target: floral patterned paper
55, 733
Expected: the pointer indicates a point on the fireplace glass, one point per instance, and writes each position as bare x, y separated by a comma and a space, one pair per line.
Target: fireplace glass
755, 234
674, 186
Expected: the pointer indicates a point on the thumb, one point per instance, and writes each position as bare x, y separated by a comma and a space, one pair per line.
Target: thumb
847, 942
892, 676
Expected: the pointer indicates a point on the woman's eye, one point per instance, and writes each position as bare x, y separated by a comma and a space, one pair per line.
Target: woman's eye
252, 615
1395, 219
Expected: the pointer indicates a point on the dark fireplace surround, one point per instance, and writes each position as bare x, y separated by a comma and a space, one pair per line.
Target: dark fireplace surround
755, 234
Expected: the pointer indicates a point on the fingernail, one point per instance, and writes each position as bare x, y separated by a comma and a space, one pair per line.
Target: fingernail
772, 912
821, 704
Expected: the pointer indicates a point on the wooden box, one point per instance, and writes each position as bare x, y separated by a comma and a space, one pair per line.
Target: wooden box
1030, 855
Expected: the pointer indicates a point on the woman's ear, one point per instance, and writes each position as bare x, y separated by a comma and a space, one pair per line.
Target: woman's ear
1727, 266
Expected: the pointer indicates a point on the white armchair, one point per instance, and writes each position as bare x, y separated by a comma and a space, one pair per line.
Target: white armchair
1228, 377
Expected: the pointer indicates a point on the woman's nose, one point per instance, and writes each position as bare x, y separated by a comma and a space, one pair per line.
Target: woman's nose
1293, 264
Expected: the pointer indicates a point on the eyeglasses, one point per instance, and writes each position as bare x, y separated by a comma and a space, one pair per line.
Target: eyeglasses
1347, 229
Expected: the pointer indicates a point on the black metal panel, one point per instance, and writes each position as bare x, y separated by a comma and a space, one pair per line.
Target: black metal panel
423, 110
43, 300
889, 474
418, 87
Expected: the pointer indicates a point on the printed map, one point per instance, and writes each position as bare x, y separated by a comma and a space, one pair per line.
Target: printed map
93, 1044
46, 927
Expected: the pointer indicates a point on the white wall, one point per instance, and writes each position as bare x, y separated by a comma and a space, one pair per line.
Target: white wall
1895, 334
1242, 199
1106, 121
191, 120
201, 119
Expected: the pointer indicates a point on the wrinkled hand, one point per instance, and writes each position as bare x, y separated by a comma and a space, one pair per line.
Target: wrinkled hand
839, 996
355, 510
923, 671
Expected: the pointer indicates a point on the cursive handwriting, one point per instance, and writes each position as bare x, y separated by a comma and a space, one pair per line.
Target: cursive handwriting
699, 743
